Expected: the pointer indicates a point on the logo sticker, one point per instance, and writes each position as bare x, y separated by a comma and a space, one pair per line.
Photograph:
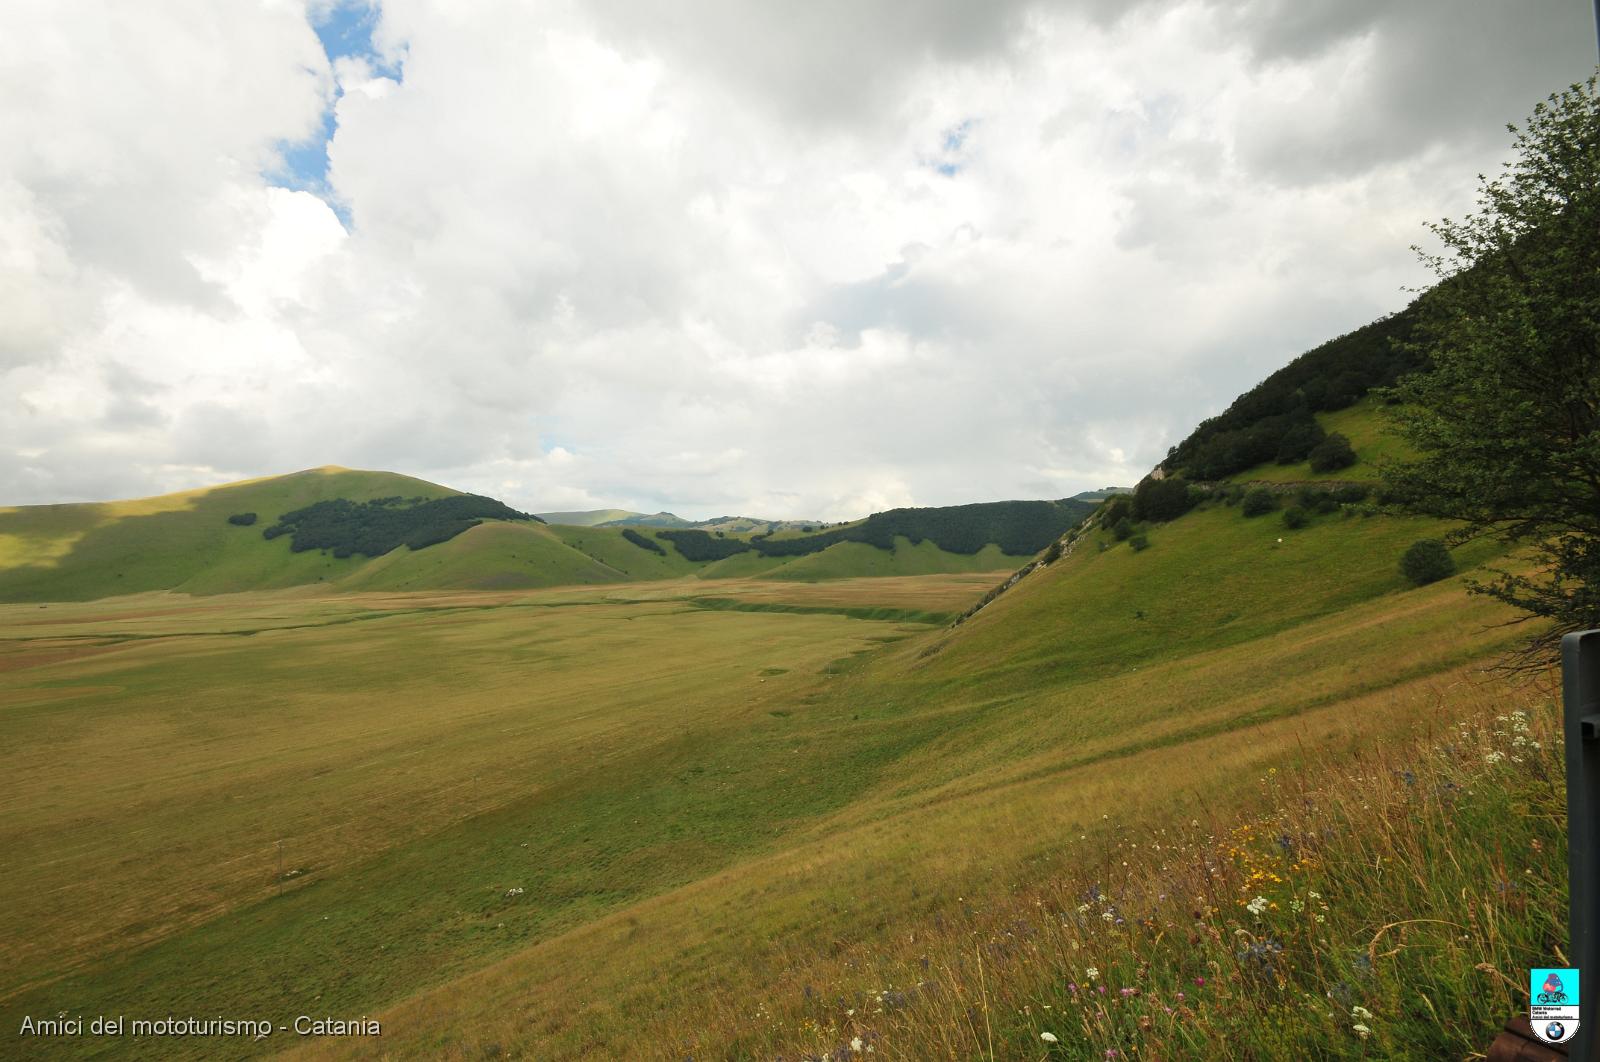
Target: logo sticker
1553, 1004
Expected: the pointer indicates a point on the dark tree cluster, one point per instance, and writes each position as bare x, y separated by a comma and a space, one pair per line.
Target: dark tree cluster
701, 546
1019, 528
1163, 499
1274, 421
242, 519
643, 543
373, 528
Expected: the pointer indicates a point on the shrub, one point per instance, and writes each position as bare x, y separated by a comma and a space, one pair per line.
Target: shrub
1351, 493
242, 519
1332, 454
1117, 507
1139, 542
1317, 501
1122, 529
1295, 517
1427, 561
1259, 502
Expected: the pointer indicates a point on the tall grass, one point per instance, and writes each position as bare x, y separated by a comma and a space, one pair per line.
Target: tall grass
1386, 907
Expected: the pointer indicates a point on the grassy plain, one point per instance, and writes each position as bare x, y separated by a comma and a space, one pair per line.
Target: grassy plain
605, 820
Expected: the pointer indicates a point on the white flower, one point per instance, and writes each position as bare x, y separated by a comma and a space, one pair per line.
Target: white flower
1108, 916
1494, 757
1092, 973
1049, 1038
1361, 1031
1257, 906
855, 1045
1361, 1012
1083, 908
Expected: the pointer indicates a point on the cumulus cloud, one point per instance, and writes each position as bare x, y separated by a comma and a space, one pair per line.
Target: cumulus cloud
712, 256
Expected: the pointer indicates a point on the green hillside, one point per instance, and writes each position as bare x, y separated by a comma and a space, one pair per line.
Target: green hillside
1370, 435
181, 541
233, 538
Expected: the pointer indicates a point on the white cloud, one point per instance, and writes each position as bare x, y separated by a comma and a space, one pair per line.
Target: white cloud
786, 261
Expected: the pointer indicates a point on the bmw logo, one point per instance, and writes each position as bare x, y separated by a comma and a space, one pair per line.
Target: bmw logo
1555, 1031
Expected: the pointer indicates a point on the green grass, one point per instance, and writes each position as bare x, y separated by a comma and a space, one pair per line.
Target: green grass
1370, 435
675, 783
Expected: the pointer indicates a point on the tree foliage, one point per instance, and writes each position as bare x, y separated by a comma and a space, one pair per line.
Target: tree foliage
1162, 499
643, 543
1507, 416
701, 546
373, 528
242, 519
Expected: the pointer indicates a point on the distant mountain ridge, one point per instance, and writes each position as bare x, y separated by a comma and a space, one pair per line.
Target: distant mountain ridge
629, 518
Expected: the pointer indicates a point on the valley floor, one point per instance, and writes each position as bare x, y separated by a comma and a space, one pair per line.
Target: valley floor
655, 819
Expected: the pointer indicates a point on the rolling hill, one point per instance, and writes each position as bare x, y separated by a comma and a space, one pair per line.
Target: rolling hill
348, 530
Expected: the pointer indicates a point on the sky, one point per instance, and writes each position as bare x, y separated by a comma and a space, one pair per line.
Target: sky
715, 256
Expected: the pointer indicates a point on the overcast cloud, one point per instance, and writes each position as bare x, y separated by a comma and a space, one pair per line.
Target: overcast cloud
717, 256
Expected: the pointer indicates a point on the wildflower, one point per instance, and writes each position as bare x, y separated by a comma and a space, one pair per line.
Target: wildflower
1049, 1038
855, 1045
1361, 1013
1494, 757
1182, 997
1200, 982
1108, 916
1092, 973
1361, 1031
1126, 992
1257, 906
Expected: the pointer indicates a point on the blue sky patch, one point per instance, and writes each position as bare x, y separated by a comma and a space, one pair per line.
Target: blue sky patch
952, 150
345, 30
